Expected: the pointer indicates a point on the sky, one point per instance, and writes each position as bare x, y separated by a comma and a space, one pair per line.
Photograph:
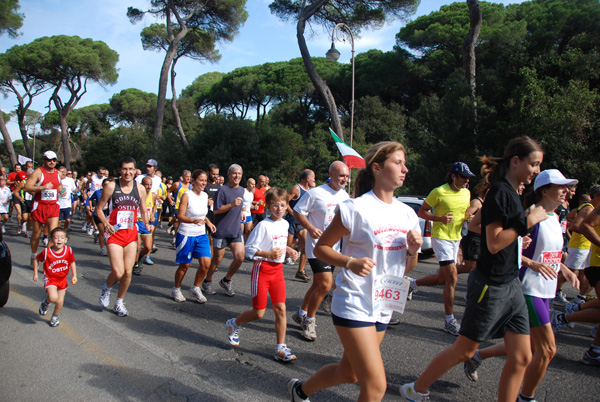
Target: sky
263, 38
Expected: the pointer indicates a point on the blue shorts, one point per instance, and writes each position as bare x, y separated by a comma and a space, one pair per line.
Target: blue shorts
142, 228
344, 322
248, 219
155, 223
190, 247
65, 213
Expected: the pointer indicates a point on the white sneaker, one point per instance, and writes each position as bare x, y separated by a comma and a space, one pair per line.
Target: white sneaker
177, 295
45, 242
309, 329
105, 296
103, 251
452, 327
3, 229
409, 393
196, 295
284, 354
292, 385
208, 288
120, 309
90, 230
233, 332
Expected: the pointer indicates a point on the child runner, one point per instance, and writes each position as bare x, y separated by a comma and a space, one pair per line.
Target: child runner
5, 197
267, 245
57, 260
538, 274
495, 304
381, 236
191, 238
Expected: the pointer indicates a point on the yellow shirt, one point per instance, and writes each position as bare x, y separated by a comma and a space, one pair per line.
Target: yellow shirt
162, 190
595, 251
577, 239
149, 205
444, 200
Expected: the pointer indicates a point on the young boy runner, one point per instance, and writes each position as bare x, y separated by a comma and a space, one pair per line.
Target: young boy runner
57, 260
5, 197
267, 245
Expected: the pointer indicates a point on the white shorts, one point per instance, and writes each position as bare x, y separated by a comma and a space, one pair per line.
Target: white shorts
445, 250
578, 258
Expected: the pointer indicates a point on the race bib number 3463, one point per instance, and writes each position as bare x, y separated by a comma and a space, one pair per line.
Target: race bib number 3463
389, 293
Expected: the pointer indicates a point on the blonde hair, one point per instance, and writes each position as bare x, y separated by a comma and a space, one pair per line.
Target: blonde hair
378, 153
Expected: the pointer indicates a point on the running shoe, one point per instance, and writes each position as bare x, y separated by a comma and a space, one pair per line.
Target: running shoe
409, 394
292, 387
45, 242
173, 242
556, 320
520, 399
227, 286
54, 321
19, 231
154, 249
297, 318
471, 367
411, 290
289, 261
570, 307
90, 230
207, 287
326, 303
452, 327
148, 261
103, 251
137, 269
284, 354
177, 295
84, 226
578, 300
27, 234
120, 309
196, 295
591, 358
96, 232
302, 276
560, 299
105, 296
95, 238
233, 332
43, 307
309, 329
3, 229
594, 331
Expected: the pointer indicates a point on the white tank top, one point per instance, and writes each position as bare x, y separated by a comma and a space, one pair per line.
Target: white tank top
197, 208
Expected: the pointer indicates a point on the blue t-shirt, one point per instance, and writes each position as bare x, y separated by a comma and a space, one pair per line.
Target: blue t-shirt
92, 201
228, 224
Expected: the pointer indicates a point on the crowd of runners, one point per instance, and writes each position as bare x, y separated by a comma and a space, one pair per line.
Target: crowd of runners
518, 250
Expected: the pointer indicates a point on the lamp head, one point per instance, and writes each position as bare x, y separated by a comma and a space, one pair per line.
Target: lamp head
332, 54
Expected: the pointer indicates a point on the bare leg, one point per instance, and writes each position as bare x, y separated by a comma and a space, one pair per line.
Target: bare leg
543, 346
518, 351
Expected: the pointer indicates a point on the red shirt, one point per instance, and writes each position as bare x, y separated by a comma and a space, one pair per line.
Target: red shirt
56, 266
259, 195
48, 196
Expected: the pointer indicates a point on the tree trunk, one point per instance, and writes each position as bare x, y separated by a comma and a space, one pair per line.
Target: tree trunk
25, 137
64, 136
469, 60
318, 82
184, 140
7, 141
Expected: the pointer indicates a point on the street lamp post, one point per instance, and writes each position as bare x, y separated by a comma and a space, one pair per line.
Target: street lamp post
333, 54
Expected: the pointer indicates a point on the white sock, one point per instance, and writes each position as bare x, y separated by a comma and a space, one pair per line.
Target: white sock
302, 313
281, 346
449, 317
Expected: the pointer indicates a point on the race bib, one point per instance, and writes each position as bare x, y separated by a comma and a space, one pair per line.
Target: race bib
49, 194
329, 215
280, 242
552, 258
389, 293
126, 219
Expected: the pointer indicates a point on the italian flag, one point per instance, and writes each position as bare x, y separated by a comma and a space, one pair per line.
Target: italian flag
351, 157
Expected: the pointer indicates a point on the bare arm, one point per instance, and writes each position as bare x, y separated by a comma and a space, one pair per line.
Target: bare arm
581, 215
107, 192
588, 225
313, 231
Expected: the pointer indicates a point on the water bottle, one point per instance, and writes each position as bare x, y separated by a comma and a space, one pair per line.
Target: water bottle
115, 227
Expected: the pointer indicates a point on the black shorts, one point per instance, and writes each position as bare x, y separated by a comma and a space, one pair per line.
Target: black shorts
493, 309
26, 206
344, 322
471, 246
257, 218
295, 227
318, 266
593, 275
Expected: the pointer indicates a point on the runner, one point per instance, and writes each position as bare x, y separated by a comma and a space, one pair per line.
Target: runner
145, 229
124, 195
228, 213
260, 190
178, 188
44, 183
381, 236
192, 241
315, 211
246, 208
65, 200
495, 304
449, 203
5, 198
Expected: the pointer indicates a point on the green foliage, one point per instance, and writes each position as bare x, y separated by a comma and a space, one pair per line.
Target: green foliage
133, 106
10, 19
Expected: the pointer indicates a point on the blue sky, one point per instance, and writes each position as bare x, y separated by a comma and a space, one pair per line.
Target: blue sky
263, 38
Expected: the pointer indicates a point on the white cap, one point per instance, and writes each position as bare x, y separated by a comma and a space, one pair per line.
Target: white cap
552, 176
50, 155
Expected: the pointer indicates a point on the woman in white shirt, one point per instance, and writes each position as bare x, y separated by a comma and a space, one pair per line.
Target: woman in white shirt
381, 239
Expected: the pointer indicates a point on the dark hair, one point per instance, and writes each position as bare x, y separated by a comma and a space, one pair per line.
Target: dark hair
594, 190
533, 197
521, 147
274, 194
378, 153
483, 186
58, 229
306, 173
212, 166
124, 160
197, 173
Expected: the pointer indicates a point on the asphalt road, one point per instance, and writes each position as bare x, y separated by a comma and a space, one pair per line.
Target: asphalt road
170, 351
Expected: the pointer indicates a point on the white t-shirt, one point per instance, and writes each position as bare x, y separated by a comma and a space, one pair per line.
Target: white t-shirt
266, 236
377, 230
155, 182
69, 185
247, 202
96, 183
197, 208
5, 196
547, 243
319, 205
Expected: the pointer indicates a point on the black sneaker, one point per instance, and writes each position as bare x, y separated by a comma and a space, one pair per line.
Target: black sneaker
137, 269
302, 276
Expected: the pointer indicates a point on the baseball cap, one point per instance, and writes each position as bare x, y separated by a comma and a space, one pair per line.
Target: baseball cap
152, 162
462, 169
50, 155
552, 176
